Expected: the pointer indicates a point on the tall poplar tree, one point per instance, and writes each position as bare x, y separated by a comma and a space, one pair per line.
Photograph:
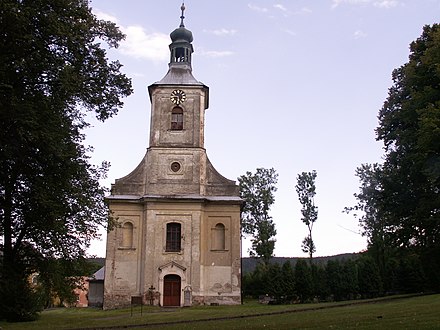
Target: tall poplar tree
306, 191
53, 71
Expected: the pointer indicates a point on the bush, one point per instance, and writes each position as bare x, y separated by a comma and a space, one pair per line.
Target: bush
19, 302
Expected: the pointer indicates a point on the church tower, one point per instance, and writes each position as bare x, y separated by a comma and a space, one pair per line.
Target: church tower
178, 238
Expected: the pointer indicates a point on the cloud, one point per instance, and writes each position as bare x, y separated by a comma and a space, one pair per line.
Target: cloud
215, 53
386, 3
105, 16
280, 7
290, 32
138, 42
222, 32
153, 46
305, 10
258, 9
379, 4
336, 3
359, 34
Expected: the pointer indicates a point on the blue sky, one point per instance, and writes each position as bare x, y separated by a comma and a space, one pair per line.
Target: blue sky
294, 85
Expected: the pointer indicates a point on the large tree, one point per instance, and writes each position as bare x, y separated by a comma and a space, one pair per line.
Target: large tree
401, 197
53, 71
257, 190
306, 190
409, 126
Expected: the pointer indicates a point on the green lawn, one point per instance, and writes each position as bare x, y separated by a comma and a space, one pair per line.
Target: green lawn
421, 312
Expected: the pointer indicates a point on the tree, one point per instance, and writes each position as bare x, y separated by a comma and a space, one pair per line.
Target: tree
306, 191
319, 280
275, 283
372, 215
303, 281
53, 72
257, 190
349, 274
410, 275
57, 277
334, 279
409, 126
370, 282
288, 278
407, 199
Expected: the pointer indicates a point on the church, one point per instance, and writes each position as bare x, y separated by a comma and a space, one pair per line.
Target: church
177, 242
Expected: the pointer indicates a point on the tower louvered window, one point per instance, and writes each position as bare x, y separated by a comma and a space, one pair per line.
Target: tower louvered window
177, 119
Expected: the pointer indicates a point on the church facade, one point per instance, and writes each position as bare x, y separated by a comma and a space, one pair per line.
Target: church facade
178, 240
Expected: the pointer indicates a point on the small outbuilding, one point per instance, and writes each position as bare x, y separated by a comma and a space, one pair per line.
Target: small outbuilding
96, 289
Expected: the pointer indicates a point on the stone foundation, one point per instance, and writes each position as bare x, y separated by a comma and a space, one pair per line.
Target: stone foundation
216, 300
114, 301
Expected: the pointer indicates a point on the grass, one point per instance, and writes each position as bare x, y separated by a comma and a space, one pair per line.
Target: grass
404, 313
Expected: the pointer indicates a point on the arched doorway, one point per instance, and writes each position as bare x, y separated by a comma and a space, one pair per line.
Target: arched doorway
171, 290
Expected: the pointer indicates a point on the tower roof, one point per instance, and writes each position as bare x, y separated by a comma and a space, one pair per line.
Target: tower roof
181, 34
179, 67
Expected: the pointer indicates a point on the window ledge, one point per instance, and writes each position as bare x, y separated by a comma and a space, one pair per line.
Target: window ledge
173, 252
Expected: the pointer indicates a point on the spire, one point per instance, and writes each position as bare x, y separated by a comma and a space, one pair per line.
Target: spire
181, 34
181, 49
182, 16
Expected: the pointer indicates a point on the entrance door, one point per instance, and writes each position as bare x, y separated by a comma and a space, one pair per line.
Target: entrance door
171, 290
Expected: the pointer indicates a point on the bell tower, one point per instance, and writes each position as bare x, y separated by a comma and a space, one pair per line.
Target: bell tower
178, 99
179, 219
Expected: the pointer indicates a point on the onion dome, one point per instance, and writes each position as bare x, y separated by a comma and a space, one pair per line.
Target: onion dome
181, 34
180, 69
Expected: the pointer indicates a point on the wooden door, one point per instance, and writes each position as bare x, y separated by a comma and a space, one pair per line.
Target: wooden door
171, 290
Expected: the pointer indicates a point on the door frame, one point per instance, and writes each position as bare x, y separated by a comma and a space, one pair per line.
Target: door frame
171, 268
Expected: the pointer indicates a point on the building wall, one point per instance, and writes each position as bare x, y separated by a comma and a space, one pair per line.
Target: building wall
194, 109
81, 294
220, 266
123, 262
212, 275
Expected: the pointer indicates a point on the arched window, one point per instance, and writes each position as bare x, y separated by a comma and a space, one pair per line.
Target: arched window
127, 235
177, 119
218, 237
180, 54
173, 237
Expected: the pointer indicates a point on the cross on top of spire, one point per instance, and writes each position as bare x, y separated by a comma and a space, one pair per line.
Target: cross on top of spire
182, 17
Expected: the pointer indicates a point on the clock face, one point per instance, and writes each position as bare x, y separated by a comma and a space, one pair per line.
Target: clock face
178, 96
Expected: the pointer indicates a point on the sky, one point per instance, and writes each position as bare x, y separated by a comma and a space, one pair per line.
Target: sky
294, 85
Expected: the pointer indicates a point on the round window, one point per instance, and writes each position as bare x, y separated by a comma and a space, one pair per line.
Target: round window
175, 167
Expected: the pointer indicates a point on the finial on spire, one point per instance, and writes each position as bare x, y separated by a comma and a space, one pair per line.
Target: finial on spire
182, 17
